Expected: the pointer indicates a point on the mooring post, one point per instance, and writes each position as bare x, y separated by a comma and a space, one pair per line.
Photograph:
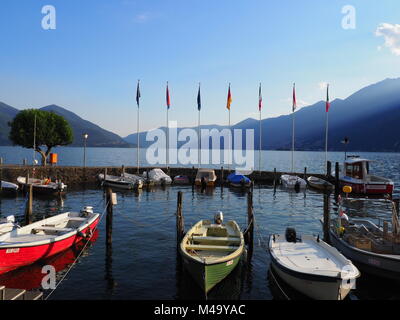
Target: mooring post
1, 173
305, 173
326, 222
250, 222
123, 171
222, 177
275, 180
29, 206
168, 171
180, 228
328, 169
193, 178
109, 217
396, 203
337, 188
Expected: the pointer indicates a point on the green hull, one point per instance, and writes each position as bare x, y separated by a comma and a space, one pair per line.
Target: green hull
208, 276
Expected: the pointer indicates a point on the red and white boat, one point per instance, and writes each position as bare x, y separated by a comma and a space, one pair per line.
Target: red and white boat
45, 238
356, 175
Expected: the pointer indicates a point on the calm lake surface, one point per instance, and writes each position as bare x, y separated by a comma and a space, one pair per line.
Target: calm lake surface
144, 262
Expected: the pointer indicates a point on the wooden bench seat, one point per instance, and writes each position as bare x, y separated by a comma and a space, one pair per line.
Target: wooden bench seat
76, 219
217, 239
44, 228
210, 248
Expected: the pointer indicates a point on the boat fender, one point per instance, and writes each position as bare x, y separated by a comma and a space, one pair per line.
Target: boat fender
290, 235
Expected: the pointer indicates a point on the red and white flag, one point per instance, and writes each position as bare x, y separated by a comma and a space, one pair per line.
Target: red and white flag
259, 99
328, 104
294, 98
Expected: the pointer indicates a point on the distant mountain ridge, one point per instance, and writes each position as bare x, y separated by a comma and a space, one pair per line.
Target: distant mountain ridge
370, 118
97, 137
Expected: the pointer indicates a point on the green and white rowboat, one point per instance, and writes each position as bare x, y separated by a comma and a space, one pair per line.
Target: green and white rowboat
210, 251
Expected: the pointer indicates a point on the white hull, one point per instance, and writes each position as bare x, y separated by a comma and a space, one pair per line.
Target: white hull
290, 181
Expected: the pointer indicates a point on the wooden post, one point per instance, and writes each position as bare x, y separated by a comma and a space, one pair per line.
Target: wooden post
305, 173
326, 222
180, 228
275, 180
328, 169
337, 188
397, 202
1, 173
109, 217
222, 177
123, 171
250, 222
193, 177
28, 209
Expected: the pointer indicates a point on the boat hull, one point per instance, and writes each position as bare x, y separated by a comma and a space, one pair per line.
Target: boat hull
368, 188
122, 185
207, 276
16, 257
314, 288
377, 264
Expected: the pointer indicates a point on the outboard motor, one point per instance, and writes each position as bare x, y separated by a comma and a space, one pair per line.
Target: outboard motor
219, 218
86, 211
290, 235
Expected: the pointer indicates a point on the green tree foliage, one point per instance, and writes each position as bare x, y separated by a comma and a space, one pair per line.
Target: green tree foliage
51, 130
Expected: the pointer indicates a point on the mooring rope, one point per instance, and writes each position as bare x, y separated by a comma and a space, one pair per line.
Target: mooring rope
80, 253
277, 283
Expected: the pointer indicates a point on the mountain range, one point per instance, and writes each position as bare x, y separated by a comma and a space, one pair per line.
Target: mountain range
369, 118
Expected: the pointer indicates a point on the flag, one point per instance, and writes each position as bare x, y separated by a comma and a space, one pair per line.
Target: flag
294, 98
259, 98
168, 98
328, 104
229, 100
137, 94
198, 100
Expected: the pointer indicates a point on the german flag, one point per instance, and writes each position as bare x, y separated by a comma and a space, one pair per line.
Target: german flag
229, 100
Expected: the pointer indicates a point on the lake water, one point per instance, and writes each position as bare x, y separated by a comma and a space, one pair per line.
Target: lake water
144, 262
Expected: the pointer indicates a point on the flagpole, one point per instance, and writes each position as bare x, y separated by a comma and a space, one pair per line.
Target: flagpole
259, 108
137, 126
326, 127
199, 137
167, 155
230, 142
34, 140
293, 108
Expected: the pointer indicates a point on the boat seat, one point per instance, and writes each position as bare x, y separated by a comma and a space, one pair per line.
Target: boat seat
77, 219
52, 229
211, 248
224, 239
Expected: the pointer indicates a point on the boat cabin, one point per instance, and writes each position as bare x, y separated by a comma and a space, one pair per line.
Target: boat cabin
357, 168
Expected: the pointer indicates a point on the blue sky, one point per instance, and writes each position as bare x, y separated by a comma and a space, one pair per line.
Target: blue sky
91, 62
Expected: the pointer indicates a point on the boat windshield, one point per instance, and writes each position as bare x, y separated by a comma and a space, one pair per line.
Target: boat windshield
354, 170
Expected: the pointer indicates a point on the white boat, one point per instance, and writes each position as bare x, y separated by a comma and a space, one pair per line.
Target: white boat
311, 266
320, 184
126, 181
43, 186
7, 224
206, 175
157, 176
293, 182
9, 187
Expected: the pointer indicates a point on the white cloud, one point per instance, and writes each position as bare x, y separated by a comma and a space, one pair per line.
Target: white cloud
140, 18
391, 34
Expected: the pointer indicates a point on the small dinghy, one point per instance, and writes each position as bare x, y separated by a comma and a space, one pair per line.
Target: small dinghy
293, 182
9, 188
126, 181
238, 181
43, 186
210, 251
320, 184
311, 266
157, 176
45, 238
181, 180
205, 176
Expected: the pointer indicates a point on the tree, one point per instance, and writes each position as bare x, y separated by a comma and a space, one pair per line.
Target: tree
51, 130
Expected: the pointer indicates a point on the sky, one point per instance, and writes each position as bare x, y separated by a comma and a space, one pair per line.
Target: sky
90, 63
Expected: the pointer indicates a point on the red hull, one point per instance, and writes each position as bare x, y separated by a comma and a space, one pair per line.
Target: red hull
360, 188
13, 258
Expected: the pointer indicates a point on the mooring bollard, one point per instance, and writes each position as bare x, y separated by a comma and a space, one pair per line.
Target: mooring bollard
326, 222
29, 206
250, 223
328, 169
180, 228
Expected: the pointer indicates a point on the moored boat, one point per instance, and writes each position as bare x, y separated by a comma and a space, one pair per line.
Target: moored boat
320, 184
181, 180
43, 186
157, 177
205, 176
238, 180
9, 188
356, 174
311, 266
7, 224
45, 238
210, 251
126, 181
293, 182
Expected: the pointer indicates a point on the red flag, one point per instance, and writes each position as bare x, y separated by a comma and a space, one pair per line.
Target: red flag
259, 98
328, 104
294, 98
168, 98
229, 100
